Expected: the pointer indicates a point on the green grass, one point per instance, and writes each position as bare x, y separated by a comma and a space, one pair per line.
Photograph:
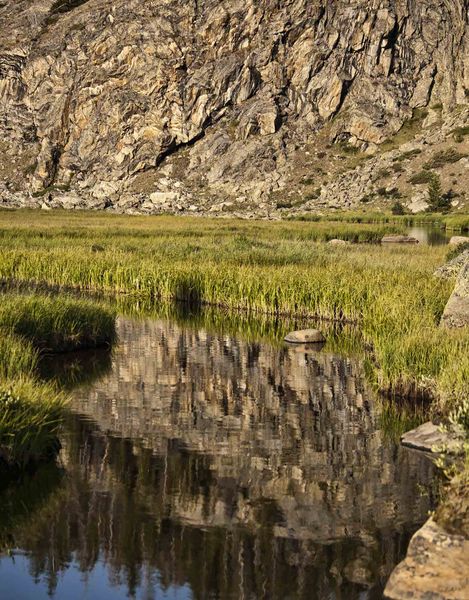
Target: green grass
445, 222
30, 409
29, 421
57, 324
280, 268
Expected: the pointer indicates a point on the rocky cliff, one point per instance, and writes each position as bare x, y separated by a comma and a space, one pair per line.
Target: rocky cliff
227, 105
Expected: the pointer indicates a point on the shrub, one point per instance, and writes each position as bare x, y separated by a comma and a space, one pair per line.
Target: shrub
443, 157
398, 168
460, 133
408, 155
422, 177
438, 202
383, 173
398, 208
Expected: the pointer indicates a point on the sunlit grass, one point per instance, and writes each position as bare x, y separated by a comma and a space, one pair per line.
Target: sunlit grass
283, 269
57, 324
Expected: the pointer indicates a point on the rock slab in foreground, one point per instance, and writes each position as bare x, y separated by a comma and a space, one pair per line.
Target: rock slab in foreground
431, 438
436, 567
456, 240
453, 267
306, 336
399, 239
456, 313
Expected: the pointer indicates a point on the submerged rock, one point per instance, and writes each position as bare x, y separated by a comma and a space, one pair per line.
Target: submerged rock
306, 336
399, 239
456, 313
431, 438
435, 567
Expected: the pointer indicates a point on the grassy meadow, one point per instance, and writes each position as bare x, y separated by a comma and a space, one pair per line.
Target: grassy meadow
277, 268
30, 407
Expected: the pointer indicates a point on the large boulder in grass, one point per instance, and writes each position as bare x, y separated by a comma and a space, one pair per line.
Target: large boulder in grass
306, 336
453, 267
456, 313
399, 239
457, 240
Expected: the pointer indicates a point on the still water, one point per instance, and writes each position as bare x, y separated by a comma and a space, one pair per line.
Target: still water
199, 464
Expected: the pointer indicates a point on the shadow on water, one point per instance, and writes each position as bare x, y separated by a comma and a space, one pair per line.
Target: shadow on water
197, 463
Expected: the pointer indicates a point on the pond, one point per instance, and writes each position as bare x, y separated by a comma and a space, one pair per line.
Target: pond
431, 235
201, 464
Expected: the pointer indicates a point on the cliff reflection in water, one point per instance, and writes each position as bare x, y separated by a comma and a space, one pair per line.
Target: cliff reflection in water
243, 470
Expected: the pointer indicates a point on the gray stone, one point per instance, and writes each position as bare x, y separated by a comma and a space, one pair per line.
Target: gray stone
456, 240
336, 242
399, 239
305, 336
431, 438
435, 568
222, 99
456, 313
453, 267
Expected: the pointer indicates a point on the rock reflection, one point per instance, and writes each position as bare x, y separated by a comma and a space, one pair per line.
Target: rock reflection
244, 470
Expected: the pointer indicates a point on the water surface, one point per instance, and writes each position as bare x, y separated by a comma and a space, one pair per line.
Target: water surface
197, 464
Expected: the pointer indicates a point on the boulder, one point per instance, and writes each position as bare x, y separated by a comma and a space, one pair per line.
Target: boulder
456, 313
336, 242
431, 438
305, 336
418, 202
399, 239
456, 240
435, 567
453, 267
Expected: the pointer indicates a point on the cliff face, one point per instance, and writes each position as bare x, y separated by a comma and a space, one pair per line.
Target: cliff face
167, 102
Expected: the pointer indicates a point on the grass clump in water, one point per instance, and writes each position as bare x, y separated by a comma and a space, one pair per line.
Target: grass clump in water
29, 422
30, 410
57, 324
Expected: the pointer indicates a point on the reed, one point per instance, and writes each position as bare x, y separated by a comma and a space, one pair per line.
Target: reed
29, 422
57, 324
30, 409
278, 268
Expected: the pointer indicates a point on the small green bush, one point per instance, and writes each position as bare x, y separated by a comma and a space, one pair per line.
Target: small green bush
422, 177
444, 157
438, 202
398, 208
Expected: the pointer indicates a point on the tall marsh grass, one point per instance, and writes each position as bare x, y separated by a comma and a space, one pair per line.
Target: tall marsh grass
281, 268
57, 324
30, 409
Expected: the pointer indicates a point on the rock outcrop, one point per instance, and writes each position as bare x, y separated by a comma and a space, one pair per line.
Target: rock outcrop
456, 313
220, 106
435, 567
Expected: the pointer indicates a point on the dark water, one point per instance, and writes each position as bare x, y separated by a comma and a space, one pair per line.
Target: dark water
432, 236
199, 465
